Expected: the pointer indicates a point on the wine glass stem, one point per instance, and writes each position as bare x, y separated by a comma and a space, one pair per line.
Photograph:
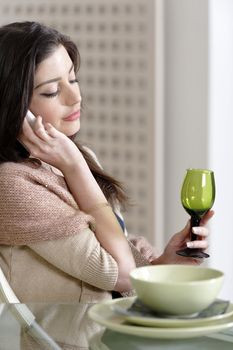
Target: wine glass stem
195, 221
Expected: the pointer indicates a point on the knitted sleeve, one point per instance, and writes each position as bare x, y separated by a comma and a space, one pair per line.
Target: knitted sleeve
35, 205
82, 257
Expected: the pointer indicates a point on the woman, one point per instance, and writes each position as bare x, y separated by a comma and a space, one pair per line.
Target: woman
58, 228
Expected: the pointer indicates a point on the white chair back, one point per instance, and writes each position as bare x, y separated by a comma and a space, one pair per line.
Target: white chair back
24, 315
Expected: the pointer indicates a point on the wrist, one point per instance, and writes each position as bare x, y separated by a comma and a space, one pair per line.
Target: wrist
74, 166
159, 260
84, 187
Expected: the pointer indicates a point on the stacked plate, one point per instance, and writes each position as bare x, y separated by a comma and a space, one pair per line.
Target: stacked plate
118, 315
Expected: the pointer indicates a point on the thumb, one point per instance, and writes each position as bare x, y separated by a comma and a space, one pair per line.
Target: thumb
186, 229
181, 236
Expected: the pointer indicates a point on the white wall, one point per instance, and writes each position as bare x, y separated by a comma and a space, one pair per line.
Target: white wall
198, 97
221, 137
185, 96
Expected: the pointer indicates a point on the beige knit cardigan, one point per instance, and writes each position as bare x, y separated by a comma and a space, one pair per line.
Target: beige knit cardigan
48, 249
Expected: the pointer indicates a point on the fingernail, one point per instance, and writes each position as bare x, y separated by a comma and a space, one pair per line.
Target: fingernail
196, 230
189, 244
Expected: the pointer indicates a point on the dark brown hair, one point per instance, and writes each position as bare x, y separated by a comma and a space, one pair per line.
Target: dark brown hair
23, 45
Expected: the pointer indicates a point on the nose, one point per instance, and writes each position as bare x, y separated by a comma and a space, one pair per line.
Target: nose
73, 95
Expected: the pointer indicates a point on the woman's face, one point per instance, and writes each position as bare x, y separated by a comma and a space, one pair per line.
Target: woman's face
56, 94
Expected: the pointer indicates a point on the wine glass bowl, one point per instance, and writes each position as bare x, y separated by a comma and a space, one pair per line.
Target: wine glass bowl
197, 197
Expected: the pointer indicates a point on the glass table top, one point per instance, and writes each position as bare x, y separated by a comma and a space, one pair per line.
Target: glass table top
67, 326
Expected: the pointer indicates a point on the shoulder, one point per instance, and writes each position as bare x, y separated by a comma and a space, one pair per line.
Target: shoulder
34, 179
26, 166
29, 170
15, 178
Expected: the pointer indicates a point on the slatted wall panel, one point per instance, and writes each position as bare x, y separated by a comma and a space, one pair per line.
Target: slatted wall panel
116, 42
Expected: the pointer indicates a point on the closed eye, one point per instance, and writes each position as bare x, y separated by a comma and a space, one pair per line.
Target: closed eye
74, 81
53, 94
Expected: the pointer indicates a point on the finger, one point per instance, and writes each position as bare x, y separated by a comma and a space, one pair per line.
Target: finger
26, 129
198, 244
200, 231
42, 134
28, 133
180, 238
51, 130
27, 136
28, 145
207, 217
40, 130
33, 140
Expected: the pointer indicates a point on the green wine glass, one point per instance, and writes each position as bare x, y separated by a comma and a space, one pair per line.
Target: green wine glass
197, 197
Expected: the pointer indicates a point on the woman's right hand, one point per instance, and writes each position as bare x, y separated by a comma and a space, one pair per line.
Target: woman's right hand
50, 145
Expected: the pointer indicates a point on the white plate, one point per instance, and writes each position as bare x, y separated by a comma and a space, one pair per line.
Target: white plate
125, 303
103, 314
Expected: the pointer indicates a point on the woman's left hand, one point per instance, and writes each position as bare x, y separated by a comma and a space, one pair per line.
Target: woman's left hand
181, 240
144, 247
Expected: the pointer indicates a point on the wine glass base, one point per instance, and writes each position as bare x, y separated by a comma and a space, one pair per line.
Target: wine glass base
192, 253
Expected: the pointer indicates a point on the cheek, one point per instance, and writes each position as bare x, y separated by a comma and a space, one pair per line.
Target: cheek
46, 109
53, 116
49, 117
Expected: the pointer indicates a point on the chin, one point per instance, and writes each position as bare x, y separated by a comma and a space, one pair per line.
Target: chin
72, 137
70, 132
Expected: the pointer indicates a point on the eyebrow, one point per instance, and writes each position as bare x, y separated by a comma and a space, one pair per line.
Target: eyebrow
54, 79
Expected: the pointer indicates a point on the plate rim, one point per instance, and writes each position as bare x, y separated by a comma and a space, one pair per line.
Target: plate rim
95, 313
173, 322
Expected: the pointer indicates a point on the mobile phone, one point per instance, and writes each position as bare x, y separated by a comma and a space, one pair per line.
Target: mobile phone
31, 118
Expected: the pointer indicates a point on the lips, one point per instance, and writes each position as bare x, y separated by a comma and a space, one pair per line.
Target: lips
73, 116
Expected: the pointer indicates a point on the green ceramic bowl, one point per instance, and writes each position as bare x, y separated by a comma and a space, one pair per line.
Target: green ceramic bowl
177, 289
